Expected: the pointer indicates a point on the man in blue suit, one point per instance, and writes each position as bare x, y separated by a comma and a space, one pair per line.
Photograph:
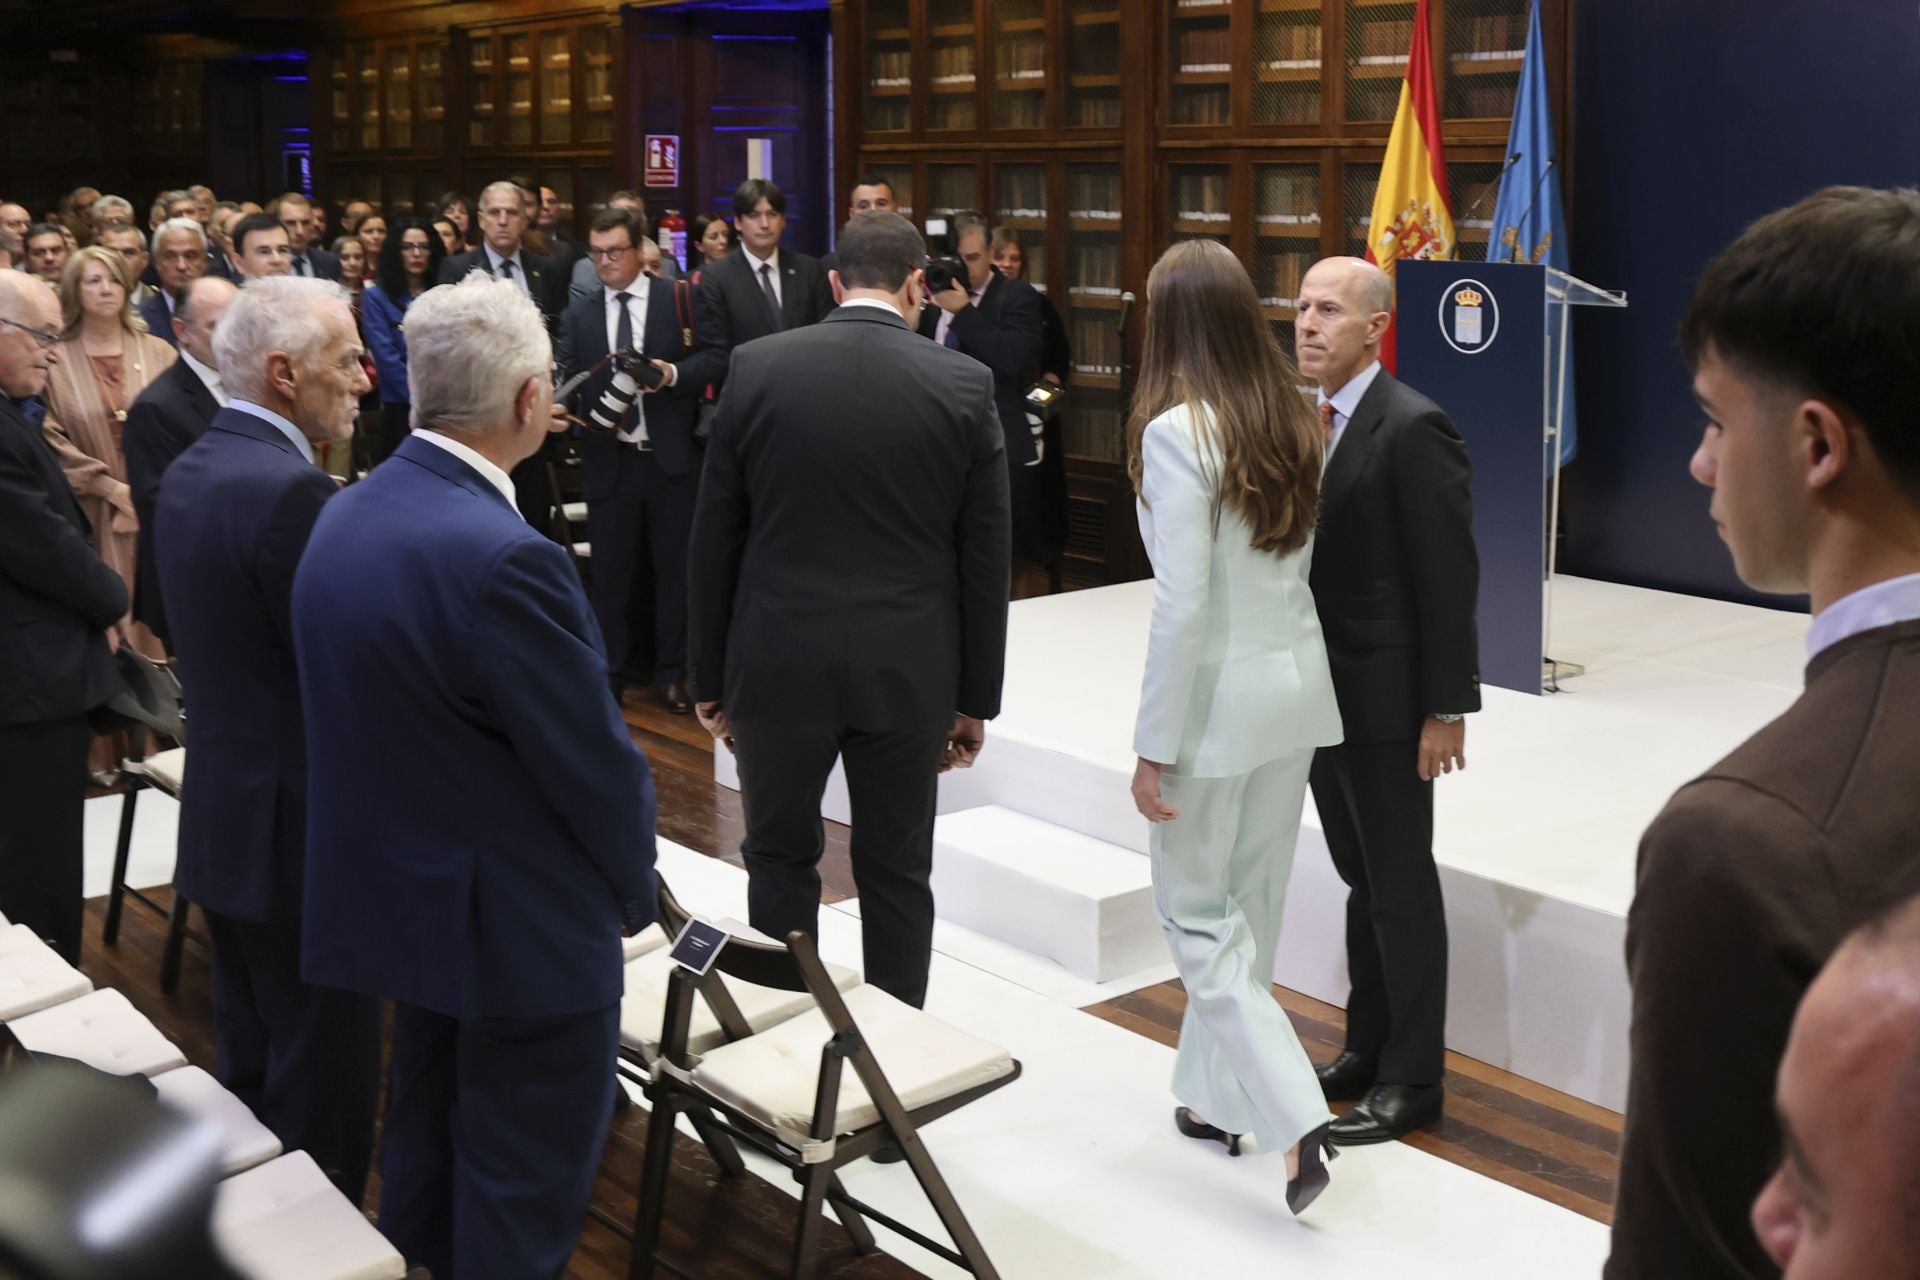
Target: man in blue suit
641, 465
232, 518
495, 834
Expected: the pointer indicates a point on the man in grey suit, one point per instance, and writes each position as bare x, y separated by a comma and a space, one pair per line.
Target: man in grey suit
848, 594
1800, 339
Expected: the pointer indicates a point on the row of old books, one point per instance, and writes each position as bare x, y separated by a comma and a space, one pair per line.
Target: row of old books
1019, 111
952, 63
1095, 270
891, 68
1205, 105
1201, 197
1287, 103
1094, 109
1288, 45
1277, 275
1493, 35
1096, 345
1286, 195
1094, 195
1023, 193
1094, 433
1381, 40
1203, 49
1020, 57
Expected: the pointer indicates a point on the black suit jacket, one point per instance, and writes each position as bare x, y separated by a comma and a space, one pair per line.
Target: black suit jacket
737, 310
670, 411
159, 318
1395, 575
218, 264
57, 596
850, 551
169, 416
325, 265
547, 285
1003, 331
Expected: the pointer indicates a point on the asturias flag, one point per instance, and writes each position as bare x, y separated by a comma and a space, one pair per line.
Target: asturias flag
1529, 222
1410, 218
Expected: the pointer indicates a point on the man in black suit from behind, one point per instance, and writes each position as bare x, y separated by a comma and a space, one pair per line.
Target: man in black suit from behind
295, 212
58, 600
1396, 580
169, 416
998, 322
641, 466
503, 218
849, 594
761, 288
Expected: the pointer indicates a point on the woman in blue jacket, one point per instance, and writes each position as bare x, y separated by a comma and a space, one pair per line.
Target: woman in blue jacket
409, 263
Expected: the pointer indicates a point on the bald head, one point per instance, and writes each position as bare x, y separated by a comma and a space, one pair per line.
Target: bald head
15, 218
202, 303
1848, 1189
1344, 308
26, 303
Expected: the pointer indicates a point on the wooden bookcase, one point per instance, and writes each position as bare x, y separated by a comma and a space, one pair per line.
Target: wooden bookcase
408, 117
1105, 130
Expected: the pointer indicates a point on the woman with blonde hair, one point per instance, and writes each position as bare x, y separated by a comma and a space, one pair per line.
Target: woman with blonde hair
107, 358
1225, 456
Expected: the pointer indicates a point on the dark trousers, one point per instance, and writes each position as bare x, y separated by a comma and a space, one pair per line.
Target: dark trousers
493, 1137
892, 778
639, 532
1378, 819
43, 786
532, 490
305, 1058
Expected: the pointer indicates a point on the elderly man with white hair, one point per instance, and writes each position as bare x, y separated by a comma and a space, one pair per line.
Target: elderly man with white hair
500, 835
232, 520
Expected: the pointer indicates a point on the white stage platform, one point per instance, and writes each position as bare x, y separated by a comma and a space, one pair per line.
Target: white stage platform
1536, 839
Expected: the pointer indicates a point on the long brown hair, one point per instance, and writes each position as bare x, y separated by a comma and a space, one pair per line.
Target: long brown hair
1207, 343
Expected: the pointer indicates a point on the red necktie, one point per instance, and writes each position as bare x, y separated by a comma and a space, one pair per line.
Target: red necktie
1326, 421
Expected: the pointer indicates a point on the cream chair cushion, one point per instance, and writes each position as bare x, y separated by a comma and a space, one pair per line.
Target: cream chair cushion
246, 1141
102, 1030
644, 1006
168, 770
285, 1221
32, 974
772, 1077
651, 938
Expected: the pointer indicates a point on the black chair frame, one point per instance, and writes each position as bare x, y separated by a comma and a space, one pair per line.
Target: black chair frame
132, 783
794, 967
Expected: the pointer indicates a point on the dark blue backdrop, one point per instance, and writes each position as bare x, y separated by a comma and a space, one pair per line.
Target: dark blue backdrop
1690, 120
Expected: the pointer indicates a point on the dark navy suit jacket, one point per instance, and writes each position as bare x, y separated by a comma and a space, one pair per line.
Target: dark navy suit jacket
57, 596
233, 516
173, 412
490, 824
159, 319
670, 411
1004, 332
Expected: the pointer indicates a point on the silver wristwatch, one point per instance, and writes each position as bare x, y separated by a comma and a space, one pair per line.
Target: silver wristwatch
1451, 719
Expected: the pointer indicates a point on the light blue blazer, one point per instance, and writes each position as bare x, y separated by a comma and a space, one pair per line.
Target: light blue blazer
1236, 668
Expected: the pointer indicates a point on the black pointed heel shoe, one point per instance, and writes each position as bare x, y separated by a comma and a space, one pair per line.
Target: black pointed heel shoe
1314, 1176
1183, 1121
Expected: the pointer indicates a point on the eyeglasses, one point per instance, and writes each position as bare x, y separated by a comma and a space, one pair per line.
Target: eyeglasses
47, 341
598, 255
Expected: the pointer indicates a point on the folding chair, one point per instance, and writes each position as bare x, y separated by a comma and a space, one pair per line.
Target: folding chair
167, 773
569, 521
760, 1088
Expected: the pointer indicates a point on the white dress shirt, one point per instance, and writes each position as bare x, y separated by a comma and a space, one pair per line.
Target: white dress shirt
773, 260
637, 297
1346, 400
281, 424
208, 375
887, 307
475, 459
519, 268
1881, 605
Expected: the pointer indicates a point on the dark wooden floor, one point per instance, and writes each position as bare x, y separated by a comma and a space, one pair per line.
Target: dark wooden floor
1497, 1124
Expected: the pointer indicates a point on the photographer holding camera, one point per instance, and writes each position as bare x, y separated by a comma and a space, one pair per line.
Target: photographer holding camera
647, 366
996, 320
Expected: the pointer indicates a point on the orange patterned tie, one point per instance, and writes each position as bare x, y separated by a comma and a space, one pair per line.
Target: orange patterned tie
1326, 422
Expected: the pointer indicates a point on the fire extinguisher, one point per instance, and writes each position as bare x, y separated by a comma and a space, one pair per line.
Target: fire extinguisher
673, 236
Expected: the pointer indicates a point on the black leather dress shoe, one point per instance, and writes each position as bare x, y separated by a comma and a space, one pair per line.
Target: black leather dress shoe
1387, 1112
1347, 1077
676, 697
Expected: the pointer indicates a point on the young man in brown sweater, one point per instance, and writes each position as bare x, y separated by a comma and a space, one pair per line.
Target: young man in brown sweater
1803, 337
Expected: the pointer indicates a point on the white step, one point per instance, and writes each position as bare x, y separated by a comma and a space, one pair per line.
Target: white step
1082, 903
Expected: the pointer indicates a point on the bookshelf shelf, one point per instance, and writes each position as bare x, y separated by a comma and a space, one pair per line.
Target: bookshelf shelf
892, 35
953, 31
1096, 18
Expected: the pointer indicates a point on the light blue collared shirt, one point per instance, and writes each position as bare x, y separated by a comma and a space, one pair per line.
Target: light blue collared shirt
519, 276
1881, 605
1346, 400
286, 428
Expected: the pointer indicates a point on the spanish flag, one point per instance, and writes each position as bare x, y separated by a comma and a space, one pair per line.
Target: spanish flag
1410, 218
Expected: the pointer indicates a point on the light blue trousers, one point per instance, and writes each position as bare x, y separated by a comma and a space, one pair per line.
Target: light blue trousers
1219, 881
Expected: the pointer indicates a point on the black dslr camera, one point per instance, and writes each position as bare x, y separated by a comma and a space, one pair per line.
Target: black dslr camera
943, 262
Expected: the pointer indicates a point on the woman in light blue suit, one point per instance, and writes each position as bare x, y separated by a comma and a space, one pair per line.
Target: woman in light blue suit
1225, 456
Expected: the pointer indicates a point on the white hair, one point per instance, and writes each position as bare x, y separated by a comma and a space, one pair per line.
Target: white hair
519, 196
105, 204
470, 348
185, 226
273, 313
